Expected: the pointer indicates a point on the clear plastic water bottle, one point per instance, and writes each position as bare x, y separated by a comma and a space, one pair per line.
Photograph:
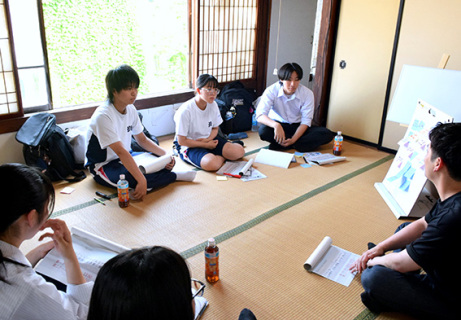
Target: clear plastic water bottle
254, 123
212, 261
123, 192
338, 144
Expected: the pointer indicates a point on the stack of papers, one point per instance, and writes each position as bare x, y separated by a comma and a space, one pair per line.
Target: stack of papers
321, 158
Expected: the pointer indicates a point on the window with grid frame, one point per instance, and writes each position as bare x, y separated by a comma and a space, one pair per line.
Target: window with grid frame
227, 38
8, 96
231, 48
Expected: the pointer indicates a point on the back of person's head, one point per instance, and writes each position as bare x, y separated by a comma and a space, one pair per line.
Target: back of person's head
146, 283
206, 80
287, 70
446, 144
120, 78
24, 189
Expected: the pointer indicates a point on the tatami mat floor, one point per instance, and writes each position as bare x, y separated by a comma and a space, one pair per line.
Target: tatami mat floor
265, 229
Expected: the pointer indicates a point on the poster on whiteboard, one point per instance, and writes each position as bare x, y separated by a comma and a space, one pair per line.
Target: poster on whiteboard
405, 181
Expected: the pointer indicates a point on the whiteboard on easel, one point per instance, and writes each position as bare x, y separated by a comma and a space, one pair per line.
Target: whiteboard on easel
403, 187
439, 87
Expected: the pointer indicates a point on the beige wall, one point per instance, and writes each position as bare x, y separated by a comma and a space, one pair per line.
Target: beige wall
429, 30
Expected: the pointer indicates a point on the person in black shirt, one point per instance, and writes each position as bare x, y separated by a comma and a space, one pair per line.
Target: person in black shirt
394, 281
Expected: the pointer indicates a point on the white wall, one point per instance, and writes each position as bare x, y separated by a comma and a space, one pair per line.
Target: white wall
297, 24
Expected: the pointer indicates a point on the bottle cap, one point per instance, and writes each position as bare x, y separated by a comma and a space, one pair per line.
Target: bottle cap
122, 177
211, 242
339, 133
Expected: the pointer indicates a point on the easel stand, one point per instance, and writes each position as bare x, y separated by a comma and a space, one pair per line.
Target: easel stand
405, 189
425, 201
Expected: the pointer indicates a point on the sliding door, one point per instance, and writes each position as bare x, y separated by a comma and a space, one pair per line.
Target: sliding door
362, 60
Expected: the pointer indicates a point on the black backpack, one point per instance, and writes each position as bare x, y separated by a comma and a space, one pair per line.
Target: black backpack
236, 95
47, 147
135, 145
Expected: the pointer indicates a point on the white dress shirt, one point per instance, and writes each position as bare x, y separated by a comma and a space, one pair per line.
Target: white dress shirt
297, 108
28, 296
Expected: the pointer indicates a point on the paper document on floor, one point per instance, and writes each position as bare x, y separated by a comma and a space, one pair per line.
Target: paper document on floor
92, 252
242, 169
332, 262
322, 158
275, 158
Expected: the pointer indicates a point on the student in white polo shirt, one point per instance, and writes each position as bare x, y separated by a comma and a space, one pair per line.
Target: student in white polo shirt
285, 114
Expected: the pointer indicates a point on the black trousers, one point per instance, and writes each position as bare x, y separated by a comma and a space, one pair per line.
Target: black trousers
313, 138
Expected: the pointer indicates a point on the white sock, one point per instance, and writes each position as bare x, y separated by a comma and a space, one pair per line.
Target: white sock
185, 175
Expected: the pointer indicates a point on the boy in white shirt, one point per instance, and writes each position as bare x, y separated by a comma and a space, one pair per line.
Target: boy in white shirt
285, 113
197, 125
111, 127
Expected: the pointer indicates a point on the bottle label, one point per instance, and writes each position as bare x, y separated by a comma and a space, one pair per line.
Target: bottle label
212, 263
337, 145
123, 194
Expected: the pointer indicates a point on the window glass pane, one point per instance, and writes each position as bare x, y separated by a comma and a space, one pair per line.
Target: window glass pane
85, 39
4, 109
5, 52
33, 81
26, 33
3, 25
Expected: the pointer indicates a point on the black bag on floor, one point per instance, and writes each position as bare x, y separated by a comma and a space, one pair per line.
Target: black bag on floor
46, 146
135, 145
236, 95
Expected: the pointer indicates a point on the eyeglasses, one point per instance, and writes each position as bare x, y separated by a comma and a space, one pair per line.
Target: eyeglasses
197, 286
211, 90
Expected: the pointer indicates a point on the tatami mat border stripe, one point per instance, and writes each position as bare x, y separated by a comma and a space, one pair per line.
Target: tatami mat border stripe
92, 202
237, 230
367, 315
364, 315
80, 206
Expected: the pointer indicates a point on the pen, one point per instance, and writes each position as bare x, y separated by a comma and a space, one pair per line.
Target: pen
100, 201
102, 195
232, 175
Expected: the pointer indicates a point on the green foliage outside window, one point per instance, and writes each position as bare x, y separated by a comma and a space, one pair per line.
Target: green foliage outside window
85, 39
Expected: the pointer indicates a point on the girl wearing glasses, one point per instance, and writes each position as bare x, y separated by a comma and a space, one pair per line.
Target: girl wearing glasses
29, 201
197, 125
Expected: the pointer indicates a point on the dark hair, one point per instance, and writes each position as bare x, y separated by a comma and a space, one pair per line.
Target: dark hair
26, 189
204, 79
446, 144
287, 69
146, 283
121, 78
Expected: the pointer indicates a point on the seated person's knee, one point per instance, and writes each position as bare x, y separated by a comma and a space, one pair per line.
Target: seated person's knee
211, 162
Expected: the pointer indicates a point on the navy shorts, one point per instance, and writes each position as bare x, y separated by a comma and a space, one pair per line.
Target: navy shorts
194, 156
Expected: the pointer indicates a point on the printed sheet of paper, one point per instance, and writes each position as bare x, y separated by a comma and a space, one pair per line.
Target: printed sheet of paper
332, 262
242, 168
275, 158
92, 252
